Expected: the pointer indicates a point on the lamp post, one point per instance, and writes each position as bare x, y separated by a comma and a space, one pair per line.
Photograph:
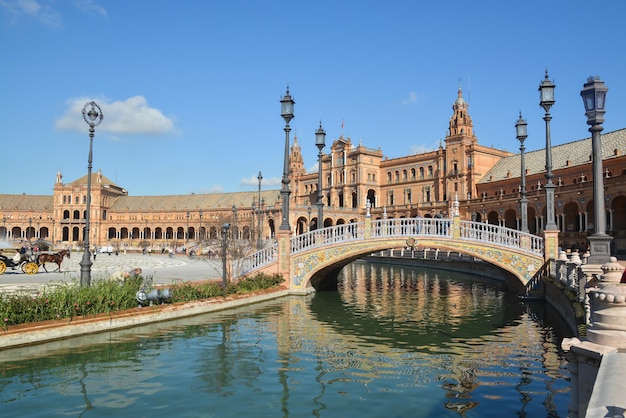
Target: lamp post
594, 97
4, 221
320, 142
225, 229
308, 228
200, 230
30, 225
522, 133
234, 223
546, 90
93, 116
258, 241
286, 106
53, 233
187, 232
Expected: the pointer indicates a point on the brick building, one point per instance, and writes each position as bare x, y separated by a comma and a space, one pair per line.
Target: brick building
485, 181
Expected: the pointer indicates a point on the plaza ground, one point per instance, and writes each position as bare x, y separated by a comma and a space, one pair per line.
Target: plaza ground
163, 270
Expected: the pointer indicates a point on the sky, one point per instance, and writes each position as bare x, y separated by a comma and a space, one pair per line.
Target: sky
190, 90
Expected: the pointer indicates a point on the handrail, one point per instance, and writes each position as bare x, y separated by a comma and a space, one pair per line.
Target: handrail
543, 272
442, 228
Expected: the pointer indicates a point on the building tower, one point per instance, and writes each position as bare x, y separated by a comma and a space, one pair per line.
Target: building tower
458, 163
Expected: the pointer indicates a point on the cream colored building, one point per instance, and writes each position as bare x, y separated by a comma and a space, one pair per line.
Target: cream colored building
485, 181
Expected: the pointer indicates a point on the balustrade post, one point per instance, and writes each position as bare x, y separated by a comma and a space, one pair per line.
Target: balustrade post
367, 225
456, 225
284, 254
551, 244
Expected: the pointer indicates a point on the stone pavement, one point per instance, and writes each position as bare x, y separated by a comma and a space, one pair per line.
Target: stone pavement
162, 269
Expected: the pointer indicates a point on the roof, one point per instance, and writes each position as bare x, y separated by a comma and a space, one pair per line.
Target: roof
577, 153
194, 201
94, 179
26, 202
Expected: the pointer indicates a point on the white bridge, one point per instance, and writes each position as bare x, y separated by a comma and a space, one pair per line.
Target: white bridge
305, 259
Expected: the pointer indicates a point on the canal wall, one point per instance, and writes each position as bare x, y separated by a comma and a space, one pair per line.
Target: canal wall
553, 293
36, 333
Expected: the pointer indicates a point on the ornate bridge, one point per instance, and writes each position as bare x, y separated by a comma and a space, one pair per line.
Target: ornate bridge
305, 260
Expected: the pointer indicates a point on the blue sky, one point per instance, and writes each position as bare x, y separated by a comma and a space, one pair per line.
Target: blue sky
190, 90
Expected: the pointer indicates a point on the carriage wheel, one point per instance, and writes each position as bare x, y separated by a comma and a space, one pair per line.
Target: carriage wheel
30, 268
3, 267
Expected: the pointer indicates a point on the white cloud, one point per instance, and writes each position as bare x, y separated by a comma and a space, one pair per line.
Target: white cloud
412, 98
33, 9
132, 116
265, 183
419, 149
91, 7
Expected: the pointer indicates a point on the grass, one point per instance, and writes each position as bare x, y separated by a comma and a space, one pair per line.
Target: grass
69, 300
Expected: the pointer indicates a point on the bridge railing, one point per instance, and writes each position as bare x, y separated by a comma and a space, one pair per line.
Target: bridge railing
327, 236
411, 226
500, 235
256, 260
399, 227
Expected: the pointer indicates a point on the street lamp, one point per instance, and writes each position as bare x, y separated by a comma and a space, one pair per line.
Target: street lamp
4, 220
522, 133
93, 116
30, 225
187, 232
594, 97
200, 231
546, 90
234, 222
308, 228
286, 111
320, 142
225, 229
258, 241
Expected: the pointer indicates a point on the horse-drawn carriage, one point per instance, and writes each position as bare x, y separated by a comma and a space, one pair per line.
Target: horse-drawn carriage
29, 263
26, 262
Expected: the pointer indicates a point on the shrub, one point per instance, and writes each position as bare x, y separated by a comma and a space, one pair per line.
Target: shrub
69, 300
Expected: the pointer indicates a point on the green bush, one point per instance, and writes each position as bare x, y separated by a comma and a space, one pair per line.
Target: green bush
68, 301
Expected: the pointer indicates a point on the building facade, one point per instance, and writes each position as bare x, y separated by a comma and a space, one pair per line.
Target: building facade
484, 180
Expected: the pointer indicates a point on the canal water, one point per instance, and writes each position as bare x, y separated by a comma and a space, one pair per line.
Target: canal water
391, 342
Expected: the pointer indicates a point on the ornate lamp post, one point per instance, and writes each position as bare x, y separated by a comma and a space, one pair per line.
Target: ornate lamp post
28, 232
235, 223
93, 116
187, 232
522, 133
594, 97
308, 228
258, 240
320, 142
4, 221
225, 229
546, 90
286, 105
200, 230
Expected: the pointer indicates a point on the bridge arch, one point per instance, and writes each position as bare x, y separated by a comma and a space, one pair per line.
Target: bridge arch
318, 270
309, 259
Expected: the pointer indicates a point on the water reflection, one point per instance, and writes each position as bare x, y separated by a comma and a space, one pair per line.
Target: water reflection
392, 342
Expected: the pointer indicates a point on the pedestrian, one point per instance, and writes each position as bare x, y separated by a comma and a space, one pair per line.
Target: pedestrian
122, 275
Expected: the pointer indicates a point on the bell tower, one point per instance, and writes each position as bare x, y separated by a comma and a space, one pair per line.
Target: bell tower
460, 143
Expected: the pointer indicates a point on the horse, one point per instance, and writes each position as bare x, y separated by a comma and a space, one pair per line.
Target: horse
57, 258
